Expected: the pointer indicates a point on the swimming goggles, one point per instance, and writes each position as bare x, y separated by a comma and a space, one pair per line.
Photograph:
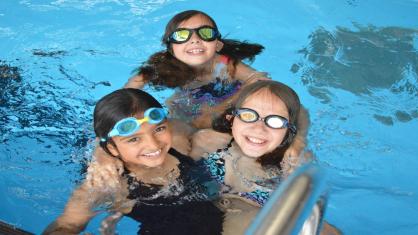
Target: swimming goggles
205, 32
129, 126
273, 121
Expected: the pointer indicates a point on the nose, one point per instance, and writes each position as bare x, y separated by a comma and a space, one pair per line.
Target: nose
260, 124
152, 142
195, 38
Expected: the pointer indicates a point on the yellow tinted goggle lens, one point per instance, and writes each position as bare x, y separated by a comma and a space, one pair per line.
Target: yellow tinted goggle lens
248, 116
181, 35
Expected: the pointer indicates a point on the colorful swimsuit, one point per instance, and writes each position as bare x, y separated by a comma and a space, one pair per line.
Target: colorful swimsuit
215, 162
188, 102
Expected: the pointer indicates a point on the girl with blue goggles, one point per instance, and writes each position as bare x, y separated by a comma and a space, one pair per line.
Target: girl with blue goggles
139, 174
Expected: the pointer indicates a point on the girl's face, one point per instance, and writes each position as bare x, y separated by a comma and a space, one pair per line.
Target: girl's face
195, 52
256, 139
147, 147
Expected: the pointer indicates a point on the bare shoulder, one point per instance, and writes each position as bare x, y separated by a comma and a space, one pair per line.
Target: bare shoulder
136, 81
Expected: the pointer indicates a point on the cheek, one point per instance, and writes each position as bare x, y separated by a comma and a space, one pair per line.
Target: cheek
177, 49
165, 138
212, 47
168, 138
236, 129
277, 137
126, 153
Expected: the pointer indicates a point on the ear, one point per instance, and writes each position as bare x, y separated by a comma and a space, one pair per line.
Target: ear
228, 117
113, 149
219, 45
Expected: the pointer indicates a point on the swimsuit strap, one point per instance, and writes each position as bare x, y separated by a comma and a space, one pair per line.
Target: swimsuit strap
224, 59
224, 149
185, 161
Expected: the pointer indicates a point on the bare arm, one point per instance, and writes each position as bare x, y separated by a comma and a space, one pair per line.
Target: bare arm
248, 75
299, 141
207, 141
103, 184
181, 132
136, 81
77, 214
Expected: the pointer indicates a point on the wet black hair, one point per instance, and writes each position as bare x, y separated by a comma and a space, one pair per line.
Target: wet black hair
282, 91
117, 105
164, 70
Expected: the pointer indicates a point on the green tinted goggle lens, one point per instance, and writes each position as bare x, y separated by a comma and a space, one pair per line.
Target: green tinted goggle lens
206, 33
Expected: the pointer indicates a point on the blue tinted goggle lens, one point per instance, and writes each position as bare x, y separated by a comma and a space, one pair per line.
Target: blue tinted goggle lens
155, 115
272, 121
129, 126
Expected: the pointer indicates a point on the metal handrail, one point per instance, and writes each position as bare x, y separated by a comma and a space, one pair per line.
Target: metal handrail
295, 207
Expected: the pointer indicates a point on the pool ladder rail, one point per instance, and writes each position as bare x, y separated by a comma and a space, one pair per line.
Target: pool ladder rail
8, 229
296, 207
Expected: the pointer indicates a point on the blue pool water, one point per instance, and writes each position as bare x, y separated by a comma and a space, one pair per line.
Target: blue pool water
354, 64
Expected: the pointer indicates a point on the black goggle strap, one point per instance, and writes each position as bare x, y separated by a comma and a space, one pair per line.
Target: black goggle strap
291, 133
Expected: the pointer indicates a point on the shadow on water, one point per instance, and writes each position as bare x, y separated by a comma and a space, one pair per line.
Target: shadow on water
369, 62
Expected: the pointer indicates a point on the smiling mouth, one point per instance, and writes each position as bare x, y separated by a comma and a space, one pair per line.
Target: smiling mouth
195, 51
152, 154
255, 140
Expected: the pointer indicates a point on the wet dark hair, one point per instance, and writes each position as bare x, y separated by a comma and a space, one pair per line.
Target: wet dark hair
164, 70
282, 91
116, 106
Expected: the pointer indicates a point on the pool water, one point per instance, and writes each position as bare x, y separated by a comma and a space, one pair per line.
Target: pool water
353, 63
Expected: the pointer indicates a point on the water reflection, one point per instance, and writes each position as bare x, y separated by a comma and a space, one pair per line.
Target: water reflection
43, 121
367, 61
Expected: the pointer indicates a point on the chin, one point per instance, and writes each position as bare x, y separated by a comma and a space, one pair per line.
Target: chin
252, 153
154, 162
197, 63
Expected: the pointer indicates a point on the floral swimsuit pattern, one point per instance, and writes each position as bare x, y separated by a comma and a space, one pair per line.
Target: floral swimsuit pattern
188, 102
